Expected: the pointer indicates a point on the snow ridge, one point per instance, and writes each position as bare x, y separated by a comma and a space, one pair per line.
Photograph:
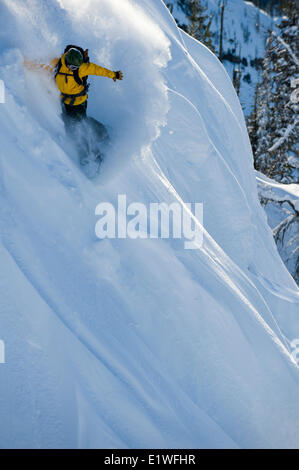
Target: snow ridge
136, 343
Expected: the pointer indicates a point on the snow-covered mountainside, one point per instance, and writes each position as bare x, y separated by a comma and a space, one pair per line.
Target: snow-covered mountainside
245, 30
281, 203
136, 342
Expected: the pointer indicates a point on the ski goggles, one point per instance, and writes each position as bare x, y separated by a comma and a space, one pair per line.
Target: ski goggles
73, 67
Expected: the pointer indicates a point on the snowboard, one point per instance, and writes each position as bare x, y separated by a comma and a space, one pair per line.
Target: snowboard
92, 140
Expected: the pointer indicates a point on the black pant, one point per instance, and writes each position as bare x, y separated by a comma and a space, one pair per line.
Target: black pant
74, 113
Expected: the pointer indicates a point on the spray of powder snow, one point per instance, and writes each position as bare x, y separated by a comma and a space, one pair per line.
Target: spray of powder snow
119, 36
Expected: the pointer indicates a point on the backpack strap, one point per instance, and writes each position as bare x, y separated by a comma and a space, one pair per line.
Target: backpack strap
57, 67
65, 96
57, 71
78, 79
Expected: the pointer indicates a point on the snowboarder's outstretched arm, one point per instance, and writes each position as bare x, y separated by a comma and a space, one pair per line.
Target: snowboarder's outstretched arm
94, 69
36, 66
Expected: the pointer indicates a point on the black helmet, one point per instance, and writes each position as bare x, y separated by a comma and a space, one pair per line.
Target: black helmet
74, 57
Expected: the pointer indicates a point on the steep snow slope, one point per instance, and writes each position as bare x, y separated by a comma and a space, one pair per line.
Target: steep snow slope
122, 342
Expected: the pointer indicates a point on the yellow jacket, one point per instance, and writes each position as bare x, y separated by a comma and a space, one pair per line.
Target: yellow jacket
66, 83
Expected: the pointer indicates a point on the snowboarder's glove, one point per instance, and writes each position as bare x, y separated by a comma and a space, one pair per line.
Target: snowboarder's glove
118, 75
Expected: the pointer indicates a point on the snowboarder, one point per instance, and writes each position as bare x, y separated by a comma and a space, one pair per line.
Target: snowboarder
71, 72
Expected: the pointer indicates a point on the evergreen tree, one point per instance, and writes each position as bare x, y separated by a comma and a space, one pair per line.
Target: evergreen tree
290, 9
271, 6
273, 126
199, 22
